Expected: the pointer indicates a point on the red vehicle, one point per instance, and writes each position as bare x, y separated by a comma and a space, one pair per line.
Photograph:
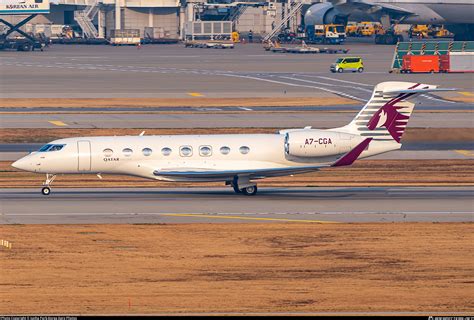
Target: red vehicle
419, 64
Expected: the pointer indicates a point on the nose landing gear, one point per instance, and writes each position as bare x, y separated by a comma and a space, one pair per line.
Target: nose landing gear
49, 180
46, 191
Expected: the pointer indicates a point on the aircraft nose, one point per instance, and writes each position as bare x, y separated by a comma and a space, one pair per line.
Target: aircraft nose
21, 164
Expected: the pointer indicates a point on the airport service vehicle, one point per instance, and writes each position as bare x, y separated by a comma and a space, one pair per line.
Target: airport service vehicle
457, 62
348, 64
326, 33
420, 64
25, 11
456, 15
125, 37
237, 160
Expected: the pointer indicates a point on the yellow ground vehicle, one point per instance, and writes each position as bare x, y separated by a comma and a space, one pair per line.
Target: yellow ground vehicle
327, 33
347, 64
419, 30
235, 37
438, 31
366, 29
351, 29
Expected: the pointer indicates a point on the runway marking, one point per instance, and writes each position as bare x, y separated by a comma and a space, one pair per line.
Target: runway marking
338, 80
195, 94
326, 84
469, 94
58, 123
467, 153
210, 216
295, 85
246, 109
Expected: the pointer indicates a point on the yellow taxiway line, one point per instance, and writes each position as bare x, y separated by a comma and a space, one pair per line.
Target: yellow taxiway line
466, 93
58, 123
210, 216
195, 94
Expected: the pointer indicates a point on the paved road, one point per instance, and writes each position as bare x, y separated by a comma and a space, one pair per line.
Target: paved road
246, 119
198, 205
173, 71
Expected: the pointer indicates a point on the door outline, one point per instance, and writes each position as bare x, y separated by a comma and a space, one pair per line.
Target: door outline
84, 157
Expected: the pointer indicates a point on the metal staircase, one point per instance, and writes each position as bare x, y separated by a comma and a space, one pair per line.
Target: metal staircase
295, 9
85, 17
236, 14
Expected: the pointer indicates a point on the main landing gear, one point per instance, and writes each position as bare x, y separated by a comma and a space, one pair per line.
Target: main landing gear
49, 180
249, 190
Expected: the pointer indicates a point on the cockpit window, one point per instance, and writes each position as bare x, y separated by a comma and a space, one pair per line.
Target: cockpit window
56, 147
51, 147
45, 147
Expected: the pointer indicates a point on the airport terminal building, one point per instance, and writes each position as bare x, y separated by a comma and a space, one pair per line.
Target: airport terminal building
160, 19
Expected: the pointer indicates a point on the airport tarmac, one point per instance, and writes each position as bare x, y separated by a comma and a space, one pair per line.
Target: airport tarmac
172, 71
221, 205
245, 119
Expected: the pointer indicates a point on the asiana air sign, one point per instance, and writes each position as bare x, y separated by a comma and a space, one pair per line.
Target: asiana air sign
24, 6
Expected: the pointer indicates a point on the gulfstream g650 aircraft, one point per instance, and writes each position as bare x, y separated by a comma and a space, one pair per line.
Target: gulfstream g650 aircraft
236, 159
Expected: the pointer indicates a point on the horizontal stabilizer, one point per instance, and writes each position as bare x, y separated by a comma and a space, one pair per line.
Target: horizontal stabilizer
394, 92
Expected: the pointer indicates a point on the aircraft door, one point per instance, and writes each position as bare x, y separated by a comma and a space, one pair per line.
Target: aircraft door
83, 155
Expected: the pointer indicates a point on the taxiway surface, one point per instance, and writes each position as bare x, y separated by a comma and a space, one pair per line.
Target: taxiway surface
173, 71
221, 205
220, 120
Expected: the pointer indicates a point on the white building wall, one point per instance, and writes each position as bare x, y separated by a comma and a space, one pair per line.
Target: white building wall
259, 19
165, 21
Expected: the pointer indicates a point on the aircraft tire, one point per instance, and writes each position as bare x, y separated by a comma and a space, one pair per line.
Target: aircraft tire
46, 191
249, 191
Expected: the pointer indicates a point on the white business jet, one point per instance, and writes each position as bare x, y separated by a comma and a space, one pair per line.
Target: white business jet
236, 159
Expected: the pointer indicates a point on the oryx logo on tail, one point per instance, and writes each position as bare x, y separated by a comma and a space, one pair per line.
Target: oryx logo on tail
390, 117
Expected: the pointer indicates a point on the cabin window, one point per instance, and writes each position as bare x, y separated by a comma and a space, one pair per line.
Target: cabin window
205, 151
166, 151
244, 150
186, 151
108, 152
127, 152
147, 152
225, 150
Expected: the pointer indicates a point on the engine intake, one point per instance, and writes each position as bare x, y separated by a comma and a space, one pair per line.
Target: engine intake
323, 13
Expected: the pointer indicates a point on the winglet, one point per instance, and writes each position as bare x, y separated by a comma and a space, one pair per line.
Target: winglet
351, 156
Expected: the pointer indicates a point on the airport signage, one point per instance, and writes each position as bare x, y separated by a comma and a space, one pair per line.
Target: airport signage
11, 7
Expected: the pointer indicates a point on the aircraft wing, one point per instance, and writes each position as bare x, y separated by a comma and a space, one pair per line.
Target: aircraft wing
198, 173
372, 6
205, 173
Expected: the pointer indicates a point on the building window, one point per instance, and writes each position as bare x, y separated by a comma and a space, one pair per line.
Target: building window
108, 152
147, 152
166, 151
127, 152
186, 151
244, 150
205, 151
225, 150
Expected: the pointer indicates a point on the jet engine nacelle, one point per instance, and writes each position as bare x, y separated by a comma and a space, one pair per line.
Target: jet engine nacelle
310, 143
323, 13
